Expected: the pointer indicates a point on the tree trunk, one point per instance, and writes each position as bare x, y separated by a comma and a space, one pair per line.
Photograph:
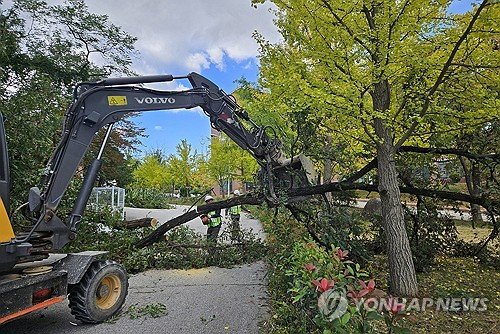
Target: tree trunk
472, 181
403, 280
137, 223
327, 176
476, 185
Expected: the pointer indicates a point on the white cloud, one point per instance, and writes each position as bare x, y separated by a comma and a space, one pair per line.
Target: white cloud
216, 56
158, 127
192, 34
196, 62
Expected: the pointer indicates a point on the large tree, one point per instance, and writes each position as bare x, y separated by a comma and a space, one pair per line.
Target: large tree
44, 51
372, 74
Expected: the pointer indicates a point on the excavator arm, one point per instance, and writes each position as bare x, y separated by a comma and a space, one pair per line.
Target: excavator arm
97, 105
103, 103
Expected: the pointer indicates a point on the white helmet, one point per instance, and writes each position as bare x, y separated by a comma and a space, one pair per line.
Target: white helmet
236, 192
208, 198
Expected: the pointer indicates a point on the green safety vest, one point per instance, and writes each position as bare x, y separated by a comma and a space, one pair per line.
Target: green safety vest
214, 221
235, 210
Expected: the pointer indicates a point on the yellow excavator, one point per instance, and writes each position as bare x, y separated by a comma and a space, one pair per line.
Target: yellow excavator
32, 274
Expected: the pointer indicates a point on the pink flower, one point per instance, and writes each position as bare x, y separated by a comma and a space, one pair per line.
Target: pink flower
393, 305
323, 285
309, 267
341, 254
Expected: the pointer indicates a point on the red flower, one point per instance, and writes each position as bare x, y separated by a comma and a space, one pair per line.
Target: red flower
369, 288
393, 305
365, 289
323, 285
341, 254
309, 267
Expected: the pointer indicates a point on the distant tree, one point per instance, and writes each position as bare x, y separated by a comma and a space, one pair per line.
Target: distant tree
182, 165
222, 162
152, 173
202, 181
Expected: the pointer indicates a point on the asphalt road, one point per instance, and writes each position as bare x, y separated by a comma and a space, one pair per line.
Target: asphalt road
209, 300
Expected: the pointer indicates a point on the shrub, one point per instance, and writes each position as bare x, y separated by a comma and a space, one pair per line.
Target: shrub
430, 234
303, 275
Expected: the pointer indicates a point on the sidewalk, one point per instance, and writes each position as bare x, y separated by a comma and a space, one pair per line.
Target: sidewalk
208, 300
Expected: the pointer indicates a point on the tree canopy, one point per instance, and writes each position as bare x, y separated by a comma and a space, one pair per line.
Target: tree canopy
44, 51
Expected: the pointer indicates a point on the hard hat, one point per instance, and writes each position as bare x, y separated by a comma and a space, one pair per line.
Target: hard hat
208, 198
236, 192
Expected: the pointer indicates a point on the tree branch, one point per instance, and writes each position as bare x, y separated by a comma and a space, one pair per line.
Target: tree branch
346, 27
156, 235
459, 152
443, 72
297, 194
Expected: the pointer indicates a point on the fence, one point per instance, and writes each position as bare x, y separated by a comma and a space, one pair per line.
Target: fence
112, 197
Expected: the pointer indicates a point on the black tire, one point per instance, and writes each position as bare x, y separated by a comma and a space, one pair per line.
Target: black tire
100, 293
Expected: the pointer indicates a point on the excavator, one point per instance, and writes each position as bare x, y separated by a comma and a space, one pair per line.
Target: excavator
33, 275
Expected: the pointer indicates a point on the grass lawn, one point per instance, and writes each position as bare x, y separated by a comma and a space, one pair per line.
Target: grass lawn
454, 278
478, 234
458, 277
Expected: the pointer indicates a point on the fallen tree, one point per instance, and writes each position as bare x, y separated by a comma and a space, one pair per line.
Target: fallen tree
297, 194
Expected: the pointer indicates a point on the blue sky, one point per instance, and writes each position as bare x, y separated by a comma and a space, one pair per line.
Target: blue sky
213, 38
166, 129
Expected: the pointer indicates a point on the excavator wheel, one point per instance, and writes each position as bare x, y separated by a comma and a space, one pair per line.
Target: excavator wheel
101, 292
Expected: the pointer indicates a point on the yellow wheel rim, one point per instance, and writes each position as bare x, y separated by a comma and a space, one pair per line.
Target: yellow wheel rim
108, 291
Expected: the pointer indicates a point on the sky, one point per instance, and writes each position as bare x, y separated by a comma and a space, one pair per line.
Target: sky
211, 37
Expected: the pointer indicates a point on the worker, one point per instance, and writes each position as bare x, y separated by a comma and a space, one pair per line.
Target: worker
235, 214
213, 220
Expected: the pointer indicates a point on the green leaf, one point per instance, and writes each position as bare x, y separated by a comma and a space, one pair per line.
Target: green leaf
373, 316
351, 271
345, 319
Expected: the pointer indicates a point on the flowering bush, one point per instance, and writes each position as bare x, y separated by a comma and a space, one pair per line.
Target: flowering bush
312, 290
335, 293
